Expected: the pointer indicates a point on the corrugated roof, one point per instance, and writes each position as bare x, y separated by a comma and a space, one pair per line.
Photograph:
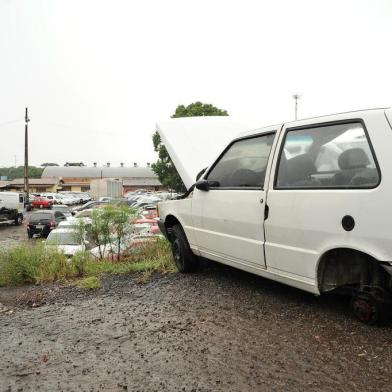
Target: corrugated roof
35, 181
142, 182
97, 172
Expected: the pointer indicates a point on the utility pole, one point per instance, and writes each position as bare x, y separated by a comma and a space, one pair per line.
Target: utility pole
26, 157
296, 98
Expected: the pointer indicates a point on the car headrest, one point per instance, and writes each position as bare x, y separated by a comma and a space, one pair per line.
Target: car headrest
354, 158
300, 168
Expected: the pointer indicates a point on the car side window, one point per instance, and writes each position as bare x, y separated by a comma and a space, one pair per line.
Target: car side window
244, 163
330, 156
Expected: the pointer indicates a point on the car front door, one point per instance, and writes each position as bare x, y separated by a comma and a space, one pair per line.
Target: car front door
228, 217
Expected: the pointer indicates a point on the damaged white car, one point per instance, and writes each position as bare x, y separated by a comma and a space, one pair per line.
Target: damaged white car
305, 203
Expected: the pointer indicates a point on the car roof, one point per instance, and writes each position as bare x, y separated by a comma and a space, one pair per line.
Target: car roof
63, 231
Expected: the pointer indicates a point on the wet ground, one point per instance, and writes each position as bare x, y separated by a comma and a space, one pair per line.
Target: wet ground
11, 235
216, 330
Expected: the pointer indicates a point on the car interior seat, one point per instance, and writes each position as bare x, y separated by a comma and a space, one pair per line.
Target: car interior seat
299, 171
353, 164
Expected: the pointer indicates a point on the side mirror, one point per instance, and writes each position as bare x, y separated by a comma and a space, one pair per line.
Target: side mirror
205, 185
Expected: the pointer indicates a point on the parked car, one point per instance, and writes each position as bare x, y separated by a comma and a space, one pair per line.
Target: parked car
146, 226
74, 222
90, 204
67, 241
64, 209
149, 212
129, 245
41, 223
41, 202
12, 207
53, 197
306, 203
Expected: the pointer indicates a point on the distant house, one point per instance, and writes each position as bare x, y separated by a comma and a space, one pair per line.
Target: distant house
36, 185
78, 178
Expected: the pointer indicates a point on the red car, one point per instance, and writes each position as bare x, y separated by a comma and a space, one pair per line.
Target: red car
41, 202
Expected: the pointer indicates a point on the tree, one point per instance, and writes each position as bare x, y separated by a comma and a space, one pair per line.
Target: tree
164, 167
18, 172
46, 164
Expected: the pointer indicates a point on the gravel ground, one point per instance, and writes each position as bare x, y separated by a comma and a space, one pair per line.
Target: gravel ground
217, 330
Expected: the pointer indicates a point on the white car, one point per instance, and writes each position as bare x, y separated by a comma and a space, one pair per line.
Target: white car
305, 203
67, 200
54, 197
66, 241
73, 222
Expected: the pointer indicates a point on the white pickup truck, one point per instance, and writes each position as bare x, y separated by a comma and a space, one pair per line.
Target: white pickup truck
306, 203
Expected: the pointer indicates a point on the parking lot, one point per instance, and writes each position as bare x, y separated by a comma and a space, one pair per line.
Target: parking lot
219, 329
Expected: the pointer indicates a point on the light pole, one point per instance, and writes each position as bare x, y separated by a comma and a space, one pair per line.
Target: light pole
26, 157
296, 98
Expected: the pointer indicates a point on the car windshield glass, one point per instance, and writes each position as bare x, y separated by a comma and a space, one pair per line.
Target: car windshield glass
41, 216
70, 238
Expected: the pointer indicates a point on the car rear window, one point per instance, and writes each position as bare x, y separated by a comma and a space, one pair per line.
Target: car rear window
40, 216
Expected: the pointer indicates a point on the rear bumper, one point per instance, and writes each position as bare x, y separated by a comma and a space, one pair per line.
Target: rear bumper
40, 232
162, 227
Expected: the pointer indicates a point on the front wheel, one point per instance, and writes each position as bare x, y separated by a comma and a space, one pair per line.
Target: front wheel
367, 308
184, 258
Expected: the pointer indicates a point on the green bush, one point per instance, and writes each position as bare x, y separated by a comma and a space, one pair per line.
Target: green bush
79, 263
30, 264
33, 263
20, 265
54, 266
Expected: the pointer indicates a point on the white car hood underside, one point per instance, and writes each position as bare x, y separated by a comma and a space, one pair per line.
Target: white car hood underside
194, 143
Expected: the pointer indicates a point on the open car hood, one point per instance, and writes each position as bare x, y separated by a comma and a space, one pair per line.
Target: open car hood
193, 143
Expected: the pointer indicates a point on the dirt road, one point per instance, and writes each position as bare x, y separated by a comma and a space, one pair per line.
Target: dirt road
217, 330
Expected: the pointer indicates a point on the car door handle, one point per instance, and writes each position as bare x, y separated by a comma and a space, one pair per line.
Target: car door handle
266, 212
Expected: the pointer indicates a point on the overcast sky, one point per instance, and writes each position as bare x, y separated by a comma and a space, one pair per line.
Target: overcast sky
97, 75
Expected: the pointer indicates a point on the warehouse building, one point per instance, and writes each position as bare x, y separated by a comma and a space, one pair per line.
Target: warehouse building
78, 178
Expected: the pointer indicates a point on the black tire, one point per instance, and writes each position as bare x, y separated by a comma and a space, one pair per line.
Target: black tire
18, 220
367, 309
183, 256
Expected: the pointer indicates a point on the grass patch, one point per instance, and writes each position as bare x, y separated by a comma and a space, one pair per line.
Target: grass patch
90, 283
32, 263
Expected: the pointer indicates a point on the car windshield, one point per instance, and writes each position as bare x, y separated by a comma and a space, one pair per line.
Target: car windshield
66, 238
